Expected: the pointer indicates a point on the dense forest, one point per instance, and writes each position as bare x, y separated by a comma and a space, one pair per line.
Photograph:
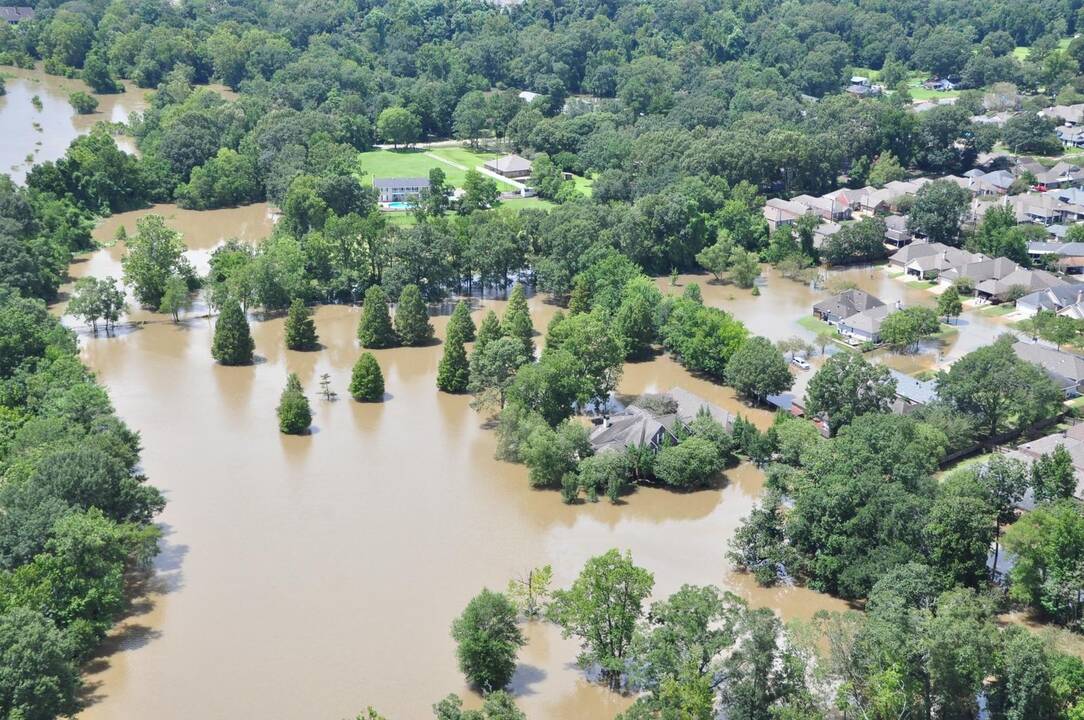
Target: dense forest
686, 115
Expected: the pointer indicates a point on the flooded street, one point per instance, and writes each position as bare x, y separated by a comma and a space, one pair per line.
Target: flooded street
309, 577
46, 133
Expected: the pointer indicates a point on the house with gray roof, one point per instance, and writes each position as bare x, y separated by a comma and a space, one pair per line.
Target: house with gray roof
653, 424
839, 307
897, 234
865, 326
401, 189
979, 270
1055, 300
1064, 368
915, 250
1021, 281
911, 393
779, 212
1072, 439
932, 265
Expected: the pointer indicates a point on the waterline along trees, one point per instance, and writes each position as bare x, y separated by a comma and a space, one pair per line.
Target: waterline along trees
300, 329
412, 319
232, 344
516, 322
366, 381
374, 329
294, 412
488, 639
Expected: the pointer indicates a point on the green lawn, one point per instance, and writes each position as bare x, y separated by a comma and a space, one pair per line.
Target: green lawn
1021, 52
997, 310
920, 93
921, 284
418, 162
815, 325
584, 185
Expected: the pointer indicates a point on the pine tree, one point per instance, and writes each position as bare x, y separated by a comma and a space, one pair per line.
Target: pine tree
300, 329
375, 330
461, 322
580, 300
232, 344
453, 373
412, 318
516, 322
367, 382
294, 412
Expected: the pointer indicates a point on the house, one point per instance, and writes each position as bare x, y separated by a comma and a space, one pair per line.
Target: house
1070, 136
509, 166
996, 119
930, 266
897, 234
16, 14
939, 84
979, 270
911, 393
865, 90
997, 182
915, 250
400, 190
1061, 175
1019, 282
825, 206
1072, 439
1064, 114
865, 326
1068, 257
822, 232
1056, 300
779, 212
652, 421
528, 97
1064, 368
844, 305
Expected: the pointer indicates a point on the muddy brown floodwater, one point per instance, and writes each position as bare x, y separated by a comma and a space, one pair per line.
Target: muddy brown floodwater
309, 577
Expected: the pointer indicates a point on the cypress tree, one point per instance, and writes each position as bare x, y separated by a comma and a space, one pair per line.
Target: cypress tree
232, 344
374, 329
300, 329
412, 318
461, 322
294, 412
516, 322
453, 373
489, 330
367, 382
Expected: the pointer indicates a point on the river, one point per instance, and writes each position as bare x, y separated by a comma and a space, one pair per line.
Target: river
308, 577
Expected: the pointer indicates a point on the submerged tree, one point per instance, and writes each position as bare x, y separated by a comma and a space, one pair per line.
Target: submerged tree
175, 298
366, 381
232, 344
412, 319
516, 322
488, 640
300, 329
294, 412
374, 329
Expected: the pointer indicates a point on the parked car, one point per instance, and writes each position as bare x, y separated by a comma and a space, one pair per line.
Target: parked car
801, 362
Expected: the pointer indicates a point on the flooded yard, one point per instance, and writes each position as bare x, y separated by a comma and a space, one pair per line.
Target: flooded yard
311, 576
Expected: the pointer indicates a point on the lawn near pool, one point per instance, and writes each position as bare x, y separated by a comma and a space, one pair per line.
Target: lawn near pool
417, 162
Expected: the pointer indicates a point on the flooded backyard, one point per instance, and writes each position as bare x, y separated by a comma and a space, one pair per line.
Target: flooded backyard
305, 577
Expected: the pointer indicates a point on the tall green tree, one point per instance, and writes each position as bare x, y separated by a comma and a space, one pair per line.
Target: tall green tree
295, 415
461, 322
366, 380
757, 369
949, 305
232, 343
412, 318
488, 639
374, 328
602, 608
848, 386
154, 254
300, 329
453, 372
516, 322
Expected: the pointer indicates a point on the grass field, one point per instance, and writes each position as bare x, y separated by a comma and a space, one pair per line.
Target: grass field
997, 310
1021, 52
814, 325
418, 162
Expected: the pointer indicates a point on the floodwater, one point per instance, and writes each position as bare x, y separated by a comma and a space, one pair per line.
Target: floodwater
308, 577
782, 302
45, 134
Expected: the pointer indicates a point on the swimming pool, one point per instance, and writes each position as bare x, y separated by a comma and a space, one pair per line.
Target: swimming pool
397, 205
